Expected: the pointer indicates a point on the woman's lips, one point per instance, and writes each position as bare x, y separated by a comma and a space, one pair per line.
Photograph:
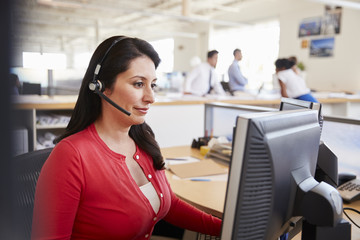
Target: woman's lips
142, 110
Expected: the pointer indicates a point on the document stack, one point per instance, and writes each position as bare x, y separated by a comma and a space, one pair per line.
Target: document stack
220, 151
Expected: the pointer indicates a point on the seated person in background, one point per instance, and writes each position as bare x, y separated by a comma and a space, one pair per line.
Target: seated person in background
295, 67
14, 84
105, 178
291, 84
237, 81
202, 79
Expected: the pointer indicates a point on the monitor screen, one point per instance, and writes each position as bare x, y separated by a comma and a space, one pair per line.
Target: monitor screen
342, 135
274, 155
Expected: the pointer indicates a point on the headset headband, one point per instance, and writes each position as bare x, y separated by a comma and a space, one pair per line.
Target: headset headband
95, 82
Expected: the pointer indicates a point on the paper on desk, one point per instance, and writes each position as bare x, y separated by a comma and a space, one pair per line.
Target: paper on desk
210, 178
197, 169
180, 160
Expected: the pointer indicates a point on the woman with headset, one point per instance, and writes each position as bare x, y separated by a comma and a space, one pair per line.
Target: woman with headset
105, 177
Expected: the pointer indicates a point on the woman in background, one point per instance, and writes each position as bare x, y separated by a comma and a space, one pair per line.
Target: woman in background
291, 84
105, 177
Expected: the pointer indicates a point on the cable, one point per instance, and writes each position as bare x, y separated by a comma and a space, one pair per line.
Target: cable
351, 209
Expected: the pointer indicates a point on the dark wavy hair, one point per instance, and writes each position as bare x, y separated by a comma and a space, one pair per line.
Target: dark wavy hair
284, 63
88, 104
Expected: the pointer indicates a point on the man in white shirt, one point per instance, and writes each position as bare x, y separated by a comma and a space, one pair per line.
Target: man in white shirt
202, 79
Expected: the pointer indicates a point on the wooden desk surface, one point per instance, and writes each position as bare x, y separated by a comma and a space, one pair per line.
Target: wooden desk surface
45, 102
210, 196
207, 196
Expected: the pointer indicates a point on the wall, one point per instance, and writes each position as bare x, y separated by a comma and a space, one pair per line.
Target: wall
184, 50
338, 73
187, 48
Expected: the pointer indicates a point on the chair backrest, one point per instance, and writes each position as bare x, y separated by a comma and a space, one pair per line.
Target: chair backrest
27, 169
226, 87
31, 88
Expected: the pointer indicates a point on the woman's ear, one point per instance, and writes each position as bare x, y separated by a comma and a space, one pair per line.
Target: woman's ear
107, 92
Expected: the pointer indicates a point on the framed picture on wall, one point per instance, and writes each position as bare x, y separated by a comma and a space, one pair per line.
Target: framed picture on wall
310, 27
322, 47
331, 21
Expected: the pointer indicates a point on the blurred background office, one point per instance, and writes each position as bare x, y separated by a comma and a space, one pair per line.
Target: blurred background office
56, 37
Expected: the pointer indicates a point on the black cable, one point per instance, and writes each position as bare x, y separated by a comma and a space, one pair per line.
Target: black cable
111, 102
351, 209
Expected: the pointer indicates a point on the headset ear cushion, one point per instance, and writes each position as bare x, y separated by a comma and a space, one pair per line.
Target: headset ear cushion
97, 85
101, 86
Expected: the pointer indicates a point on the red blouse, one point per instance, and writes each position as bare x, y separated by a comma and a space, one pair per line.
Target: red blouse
85, 191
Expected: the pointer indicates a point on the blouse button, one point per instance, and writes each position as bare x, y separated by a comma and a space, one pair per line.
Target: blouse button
161, 195
149, 176
137, 156
147, 235
154, 218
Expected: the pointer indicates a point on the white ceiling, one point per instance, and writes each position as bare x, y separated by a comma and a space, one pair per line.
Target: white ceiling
57, 25
79, 25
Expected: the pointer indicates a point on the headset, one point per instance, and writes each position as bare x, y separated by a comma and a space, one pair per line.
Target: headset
97, 86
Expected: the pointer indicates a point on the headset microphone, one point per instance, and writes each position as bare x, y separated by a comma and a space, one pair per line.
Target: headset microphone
111, 102
98, 87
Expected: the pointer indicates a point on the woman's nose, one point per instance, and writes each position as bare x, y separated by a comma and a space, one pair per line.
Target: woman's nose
149, 95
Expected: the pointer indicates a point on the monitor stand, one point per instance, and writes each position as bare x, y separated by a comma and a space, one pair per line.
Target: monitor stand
327, 166
312, 232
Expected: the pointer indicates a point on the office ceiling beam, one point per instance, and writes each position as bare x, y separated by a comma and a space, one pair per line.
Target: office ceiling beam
186, 8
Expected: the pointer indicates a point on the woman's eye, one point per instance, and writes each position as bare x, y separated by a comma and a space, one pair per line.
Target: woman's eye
153, 85
139, 84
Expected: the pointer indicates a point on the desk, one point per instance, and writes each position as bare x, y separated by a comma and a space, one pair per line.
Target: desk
210, 196
166, 114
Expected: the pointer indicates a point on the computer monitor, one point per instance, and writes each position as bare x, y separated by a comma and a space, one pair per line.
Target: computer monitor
293, 104
327, 163
271, 177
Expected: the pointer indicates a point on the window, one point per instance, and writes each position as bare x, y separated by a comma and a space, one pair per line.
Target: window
165, 49
81, 60
259, 45
44, 61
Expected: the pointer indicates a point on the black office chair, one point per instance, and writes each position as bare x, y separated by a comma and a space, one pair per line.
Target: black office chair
27, 170
31, 88
226, 87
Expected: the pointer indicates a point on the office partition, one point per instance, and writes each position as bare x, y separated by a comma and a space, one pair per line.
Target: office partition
220, 117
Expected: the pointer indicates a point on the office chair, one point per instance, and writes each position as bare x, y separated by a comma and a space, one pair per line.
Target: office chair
26, 170
31, 88
226, 87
